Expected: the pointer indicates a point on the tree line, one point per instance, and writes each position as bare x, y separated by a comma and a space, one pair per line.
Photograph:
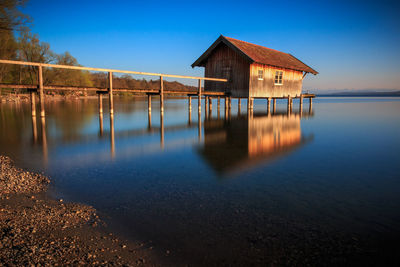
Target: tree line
17, 42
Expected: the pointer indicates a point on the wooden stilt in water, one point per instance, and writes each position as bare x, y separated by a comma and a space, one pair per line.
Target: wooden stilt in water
161, 95
101, 124
210, 107
162, 130
269, 105
33, 104
199, 94
230, 102
112, 137
218, 103
34, 129
310, 108
190, 103
274, 105
149, 102
41, 91
206, 104
110, 93
44, 141
226, 106
149, 119
239, 105
288, 104
100, 97
199, 124
252, 103
301, 105
248, 104
190, 117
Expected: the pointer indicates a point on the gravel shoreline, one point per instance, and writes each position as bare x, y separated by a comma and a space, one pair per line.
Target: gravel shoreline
38, 230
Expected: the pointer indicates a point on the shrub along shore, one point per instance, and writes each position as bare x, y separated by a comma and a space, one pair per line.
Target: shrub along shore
38, 230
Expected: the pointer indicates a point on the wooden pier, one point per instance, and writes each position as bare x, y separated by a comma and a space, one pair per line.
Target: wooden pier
39, 89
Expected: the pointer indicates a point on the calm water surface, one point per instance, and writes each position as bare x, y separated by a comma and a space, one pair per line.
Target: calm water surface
323, 187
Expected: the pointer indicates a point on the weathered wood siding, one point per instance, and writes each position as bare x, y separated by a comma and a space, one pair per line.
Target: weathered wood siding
224, 60
292, 82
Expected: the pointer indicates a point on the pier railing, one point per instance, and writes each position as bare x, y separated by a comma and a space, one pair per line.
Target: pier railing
40, 87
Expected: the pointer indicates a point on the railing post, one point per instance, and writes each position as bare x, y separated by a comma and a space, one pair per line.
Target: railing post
41, 91
161, 95
110, 92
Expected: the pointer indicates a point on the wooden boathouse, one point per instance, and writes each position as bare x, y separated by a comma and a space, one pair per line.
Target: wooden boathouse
252, 71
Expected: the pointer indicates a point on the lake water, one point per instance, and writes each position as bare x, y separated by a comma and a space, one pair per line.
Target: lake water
322, 188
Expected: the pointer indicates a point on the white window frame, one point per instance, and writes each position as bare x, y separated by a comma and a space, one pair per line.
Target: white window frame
278, 78
262, 74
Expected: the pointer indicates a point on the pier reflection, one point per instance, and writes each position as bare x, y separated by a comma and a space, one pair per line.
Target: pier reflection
247, 141
227, 143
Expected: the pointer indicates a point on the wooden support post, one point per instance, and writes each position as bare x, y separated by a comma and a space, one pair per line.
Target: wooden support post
34, 129
190, 117
149, 111
288, 104
248, 103
239, 105
230, 102
206, 103
162, 130
274, 105
310, 108
41, 91
199, 95
110, 92
252, 103
112, 136
269, 105
199, 122
301, 105
190, 103
33, 104
101, 124
161, 95
226, 104
210, 102
44, 140
100, 96
149, 102
218, 104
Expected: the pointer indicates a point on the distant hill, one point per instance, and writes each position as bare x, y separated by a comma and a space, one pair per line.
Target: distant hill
362, 94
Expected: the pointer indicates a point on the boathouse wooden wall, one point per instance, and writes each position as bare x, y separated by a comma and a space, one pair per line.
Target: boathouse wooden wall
292, 82
225, 62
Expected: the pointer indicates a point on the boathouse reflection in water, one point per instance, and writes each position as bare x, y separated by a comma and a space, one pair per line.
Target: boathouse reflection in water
247, 141
227, 143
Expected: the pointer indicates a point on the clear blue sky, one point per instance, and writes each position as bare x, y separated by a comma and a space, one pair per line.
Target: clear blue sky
353, 44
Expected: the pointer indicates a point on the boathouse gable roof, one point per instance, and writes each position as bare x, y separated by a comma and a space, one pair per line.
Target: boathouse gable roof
256, 54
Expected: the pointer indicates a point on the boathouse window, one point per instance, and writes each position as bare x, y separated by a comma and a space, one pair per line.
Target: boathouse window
260, 75
278, 77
